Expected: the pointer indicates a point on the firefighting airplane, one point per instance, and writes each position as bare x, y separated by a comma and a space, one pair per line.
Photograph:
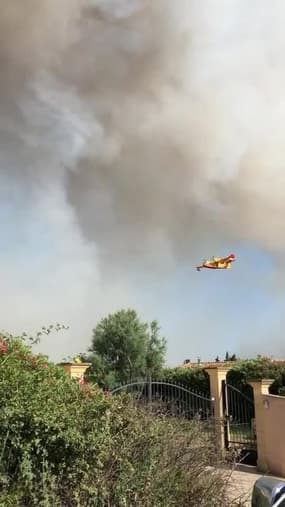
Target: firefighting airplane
218, 263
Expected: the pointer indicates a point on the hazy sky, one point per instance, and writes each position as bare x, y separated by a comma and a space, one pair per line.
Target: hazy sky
137, 137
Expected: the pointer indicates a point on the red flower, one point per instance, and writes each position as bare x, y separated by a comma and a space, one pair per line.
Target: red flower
3, 347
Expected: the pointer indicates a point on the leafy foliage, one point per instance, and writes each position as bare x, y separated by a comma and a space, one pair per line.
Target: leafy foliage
155, 351
243, 370
195, 379
66, 445
258, 368
124, 348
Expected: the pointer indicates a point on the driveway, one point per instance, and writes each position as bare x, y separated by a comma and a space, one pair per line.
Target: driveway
241, 485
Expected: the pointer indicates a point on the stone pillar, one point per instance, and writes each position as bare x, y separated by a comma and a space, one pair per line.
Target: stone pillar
218, 373
75, 370
260, 387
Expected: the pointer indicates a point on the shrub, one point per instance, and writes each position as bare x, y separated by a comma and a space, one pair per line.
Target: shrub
260, 367
66, 445
195, 379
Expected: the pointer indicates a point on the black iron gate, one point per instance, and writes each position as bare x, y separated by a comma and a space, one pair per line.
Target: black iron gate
167, 398
239, 418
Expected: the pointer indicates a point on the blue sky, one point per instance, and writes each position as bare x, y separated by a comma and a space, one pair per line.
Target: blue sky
201, 314
208, 313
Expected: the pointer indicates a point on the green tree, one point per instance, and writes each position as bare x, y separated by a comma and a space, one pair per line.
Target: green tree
125, 348
156, 349
230, 358
99, 372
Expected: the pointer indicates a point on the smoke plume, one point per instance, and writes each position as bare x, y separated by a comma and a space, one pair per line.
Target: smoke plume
134, 136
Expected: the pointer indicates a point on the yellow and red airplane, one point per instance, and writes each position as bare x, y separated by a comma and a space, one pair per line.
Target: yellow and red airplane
218, 263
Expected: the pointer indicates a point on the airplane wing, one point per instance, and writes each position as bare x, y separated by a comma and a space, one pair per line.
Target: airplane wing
224, 259
227, 258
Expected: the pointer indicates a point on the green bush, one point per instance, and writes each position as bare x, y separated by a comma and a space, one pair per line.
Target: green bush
260, 367
66, 445
194, 379
197, 380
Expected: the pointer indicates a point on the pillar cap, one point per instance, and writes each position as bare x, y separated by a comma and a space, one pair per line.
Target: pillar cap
263, 382
219, 367
260, 386
74, 364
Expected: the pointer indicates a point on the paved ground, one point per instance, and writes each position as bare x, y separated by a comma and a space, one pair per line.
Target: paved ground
241, 484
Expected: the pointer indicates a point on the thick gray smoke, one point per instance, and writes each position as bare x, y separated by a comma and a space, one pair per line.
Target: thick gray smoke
141, 133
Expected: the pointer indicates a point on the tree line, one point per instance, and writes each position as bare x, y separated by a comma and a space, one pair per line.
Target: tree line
125, 349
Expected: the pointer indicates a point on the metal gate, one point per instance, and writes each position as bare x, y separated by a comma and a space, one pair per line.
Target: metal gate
167, 398
239, 418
